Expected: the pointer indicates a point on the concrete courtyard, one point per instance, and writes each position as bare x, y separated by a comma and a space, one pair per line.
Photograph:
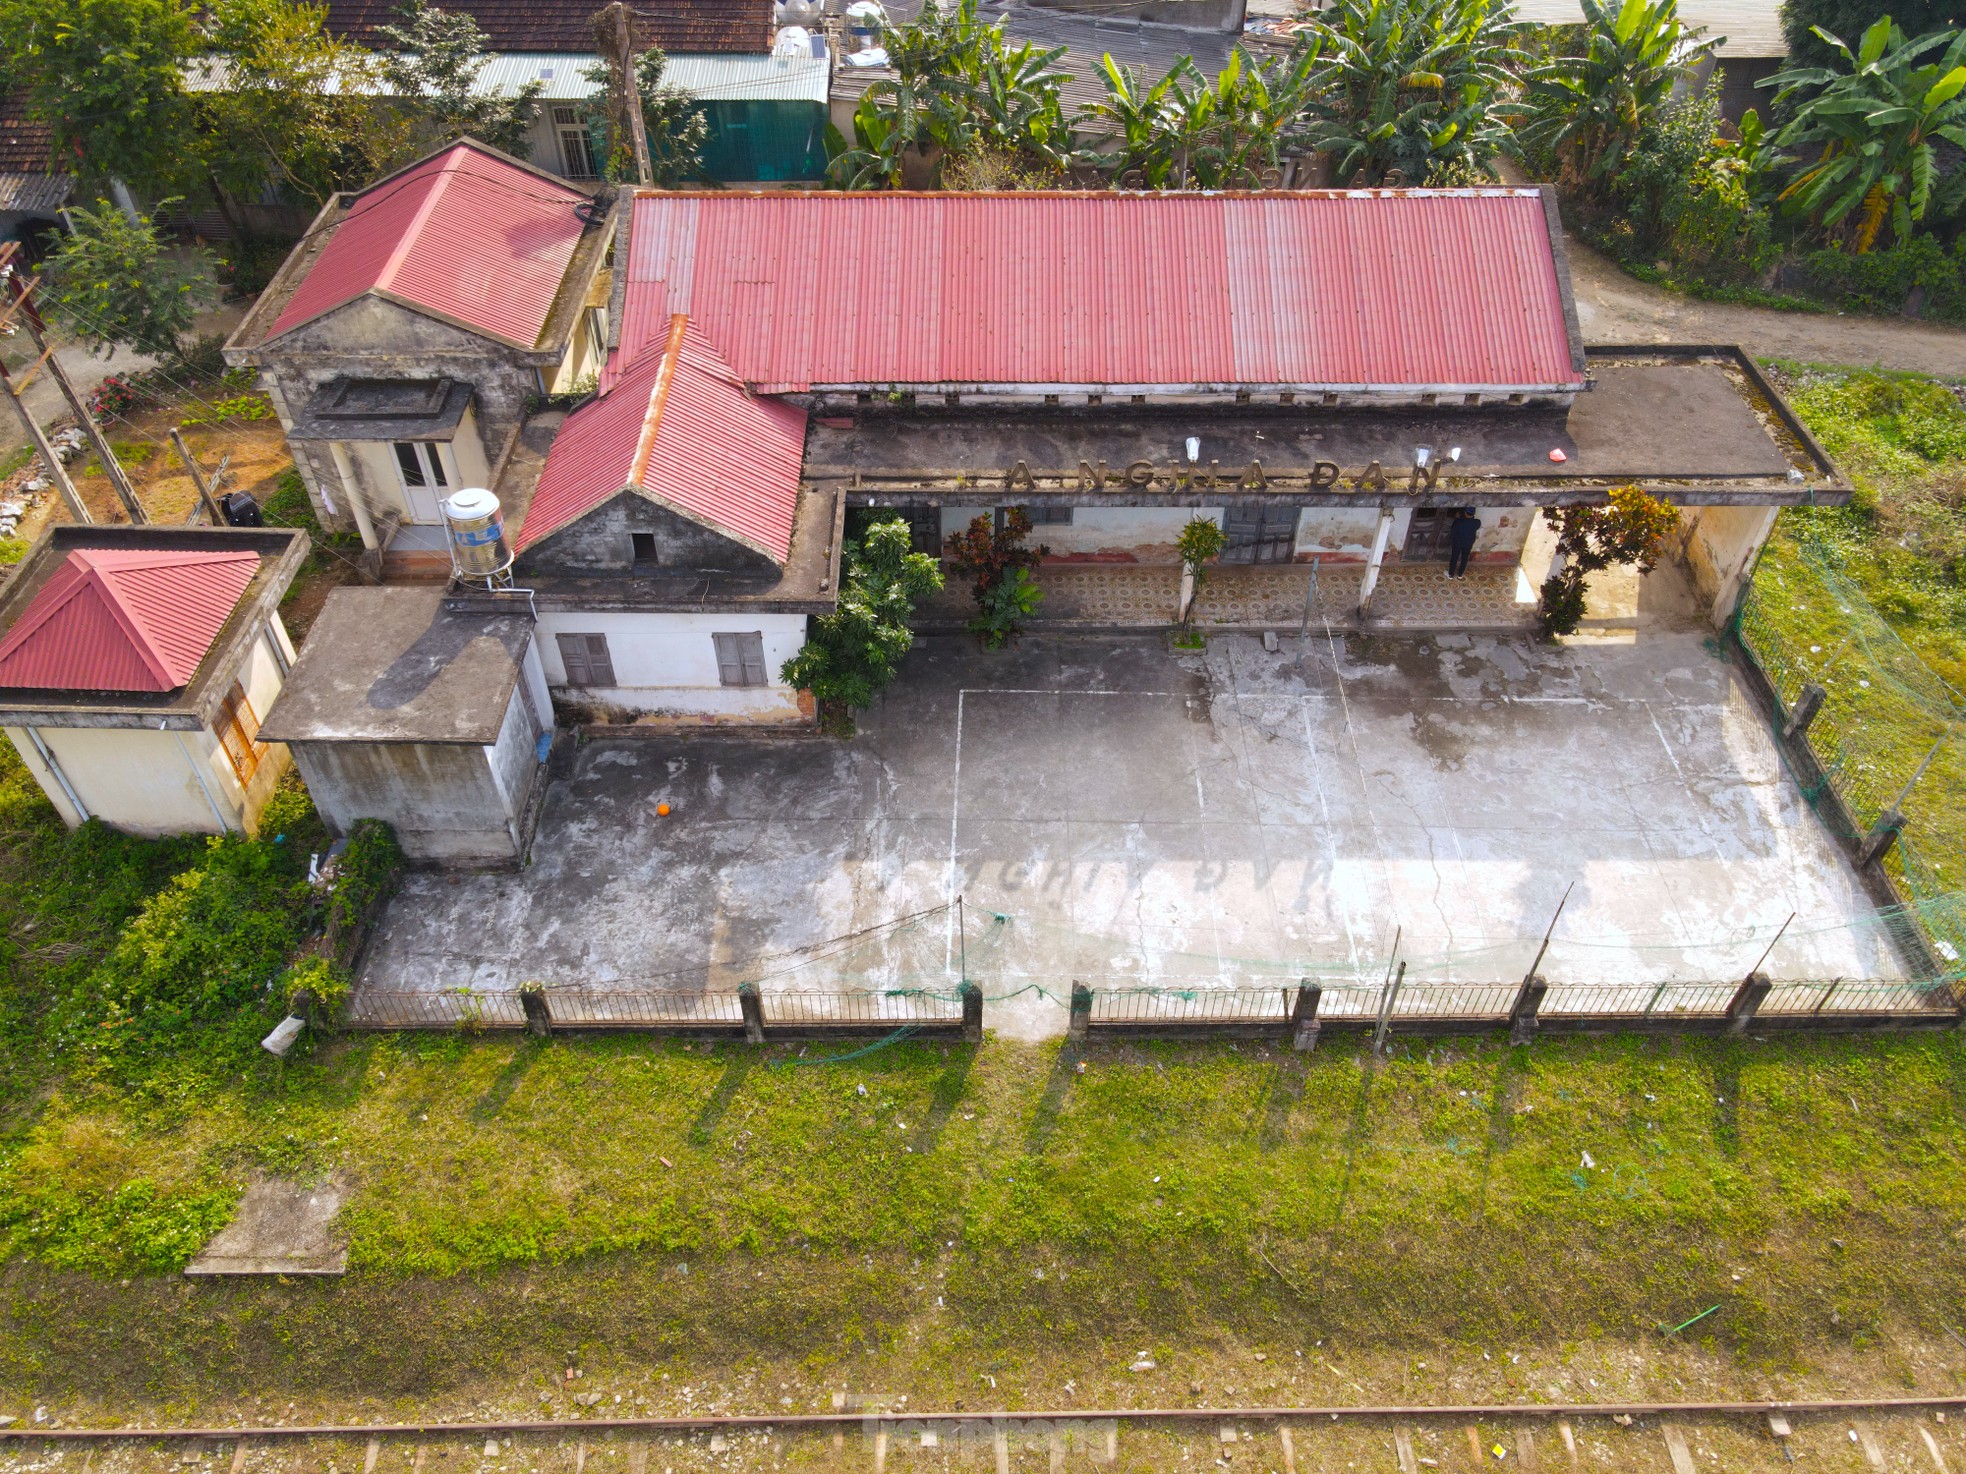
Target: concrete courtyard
1126, 815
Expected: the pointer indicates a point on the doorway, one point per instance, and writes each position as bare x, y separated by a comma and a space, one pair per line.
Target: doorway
1426, 535
1259, 532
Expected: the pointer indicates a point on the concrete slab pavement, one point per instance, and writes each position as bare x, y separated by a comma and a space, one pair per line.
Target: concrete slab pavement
1138, 817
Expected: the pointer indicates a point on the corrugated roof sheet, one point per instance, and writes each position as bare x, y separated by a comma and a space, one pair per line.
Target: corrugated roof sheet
464, 234
713, 78
1750, 27
1146, 46
679, 425
568, 25
136, 620
1448, 289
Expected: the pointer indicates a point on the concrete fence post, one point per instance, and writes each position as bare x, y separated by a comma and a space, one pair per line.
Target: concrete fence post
1080, 1022
1524, 1018
1883, 834
1304, 1024
1808, 702
1747, 998
754, 1012
972, 997
539, 1019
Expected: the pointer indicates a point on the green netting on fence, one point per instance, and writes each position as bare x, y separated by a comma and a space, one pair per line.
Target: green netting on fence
1891, 733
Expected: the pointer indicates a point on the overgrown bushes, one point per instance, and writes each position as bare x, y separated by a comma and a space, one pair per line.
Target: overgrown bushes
1916, 273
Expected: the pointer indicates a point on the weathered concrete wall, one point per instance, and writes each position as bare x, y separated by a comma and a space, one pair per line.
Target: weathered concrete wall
602, 542
1102, 534
514, 758
350, 341
1345, 535
440, 798
1719, 546
666, 665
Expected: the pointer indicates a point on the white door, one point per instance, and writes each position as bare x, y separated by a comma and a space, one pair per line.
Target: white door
424, 478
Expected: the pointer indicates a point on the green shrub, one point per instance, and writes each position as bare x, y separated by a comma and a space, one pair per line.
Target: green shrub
137, 1226
289, 818
210, 940
365, 874
1882, 281
326, 987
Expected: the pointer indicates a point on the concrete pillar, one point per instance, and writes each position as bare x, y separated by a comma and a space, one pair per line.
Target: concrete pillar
1380, 536
344, 467
972, 997
754, 1012
1080, 1022
1304, 1025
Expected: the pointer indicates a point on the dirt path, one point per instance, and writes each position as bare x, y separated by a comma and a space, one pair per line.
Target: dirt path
1616, 308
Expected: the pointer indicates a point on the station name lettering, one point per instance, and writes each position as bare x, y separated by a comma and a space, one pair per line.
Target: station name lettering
1177, 476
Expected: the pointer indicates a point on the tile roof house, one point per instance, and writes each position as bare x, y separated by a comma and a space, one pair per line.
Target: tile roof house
31, 188
134, 665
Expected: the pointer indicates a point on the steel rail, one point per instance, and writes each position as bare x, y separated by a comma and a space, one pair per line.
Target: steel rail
705, 1423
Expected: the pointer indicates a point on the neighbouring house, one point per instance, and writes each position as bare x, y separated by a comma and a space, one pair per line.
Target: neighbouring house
426, 709
135, 663
404, 341
766, 112
32, 190
1751, 47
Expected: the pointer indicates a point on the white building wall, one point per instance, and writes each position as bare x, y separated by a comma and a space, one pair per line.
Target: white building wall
665, 664
134, 778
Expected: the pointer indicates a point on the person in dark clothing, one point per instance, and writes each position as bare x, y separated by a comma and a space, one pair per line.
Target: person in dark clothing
1461, 540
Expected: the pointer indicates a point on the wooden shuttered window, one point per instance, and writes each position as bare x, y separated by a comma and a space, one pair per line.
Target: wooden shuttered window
741, 660
586, 660
238, 734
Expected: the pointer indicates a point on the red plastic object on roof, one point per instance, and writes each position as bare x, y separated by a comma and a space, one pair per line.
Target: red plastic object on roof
1449, 290
463, 234
124, 620
682, 427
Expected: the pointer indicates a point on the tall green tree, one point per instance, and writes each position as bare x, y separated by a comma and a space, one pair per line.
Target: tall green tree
672, 120
114, 282
1411, 89
1869, 132
852, 654
297, 111
108, 77
435, 61
1800, 18
1589, 108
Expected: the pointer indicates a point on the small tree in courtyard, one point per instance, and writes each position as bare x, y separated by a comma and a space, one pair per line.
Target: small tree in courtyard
116, 282
992, 556
851, 655
1633, 528
1200, 541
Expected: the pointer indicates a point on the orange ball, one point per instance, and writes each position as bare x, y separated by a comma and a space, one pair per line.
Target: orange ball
663, 810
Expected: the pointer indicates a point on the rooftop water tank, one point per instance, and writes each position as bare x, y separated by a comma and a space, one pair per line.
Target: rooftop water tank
478, 546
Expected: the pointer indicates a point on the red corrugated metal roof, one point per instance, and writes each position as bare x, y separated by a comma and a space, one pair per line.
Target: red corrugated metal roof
681, 426
124, 621
464, 234
1449, 289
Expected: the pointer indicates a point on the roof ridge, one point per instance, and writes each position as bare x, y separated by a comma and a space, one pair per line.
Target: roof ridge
133, 624
452, 167
652, 422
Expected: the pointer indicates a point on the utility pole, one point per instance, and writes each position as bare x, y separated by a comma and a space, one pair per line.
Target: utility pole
57, 472
23, 296
631, 93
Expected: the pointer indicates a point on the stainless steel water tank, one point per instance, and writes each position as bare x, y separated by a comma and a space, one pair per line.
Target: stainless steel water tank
478, 547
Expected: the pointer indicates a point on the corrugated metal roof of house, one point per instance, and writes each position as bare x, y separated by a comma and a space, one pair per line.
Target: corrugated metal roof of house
1451, 289
1149, 48
135, 620
465, 234
712, 77
1751, 27
679, 425
567, 25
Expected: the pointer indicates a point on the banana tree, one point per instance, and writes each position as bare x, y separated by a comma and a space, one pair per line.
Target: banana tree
1587, 110
1136, 134
1875, 122
1412, 87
